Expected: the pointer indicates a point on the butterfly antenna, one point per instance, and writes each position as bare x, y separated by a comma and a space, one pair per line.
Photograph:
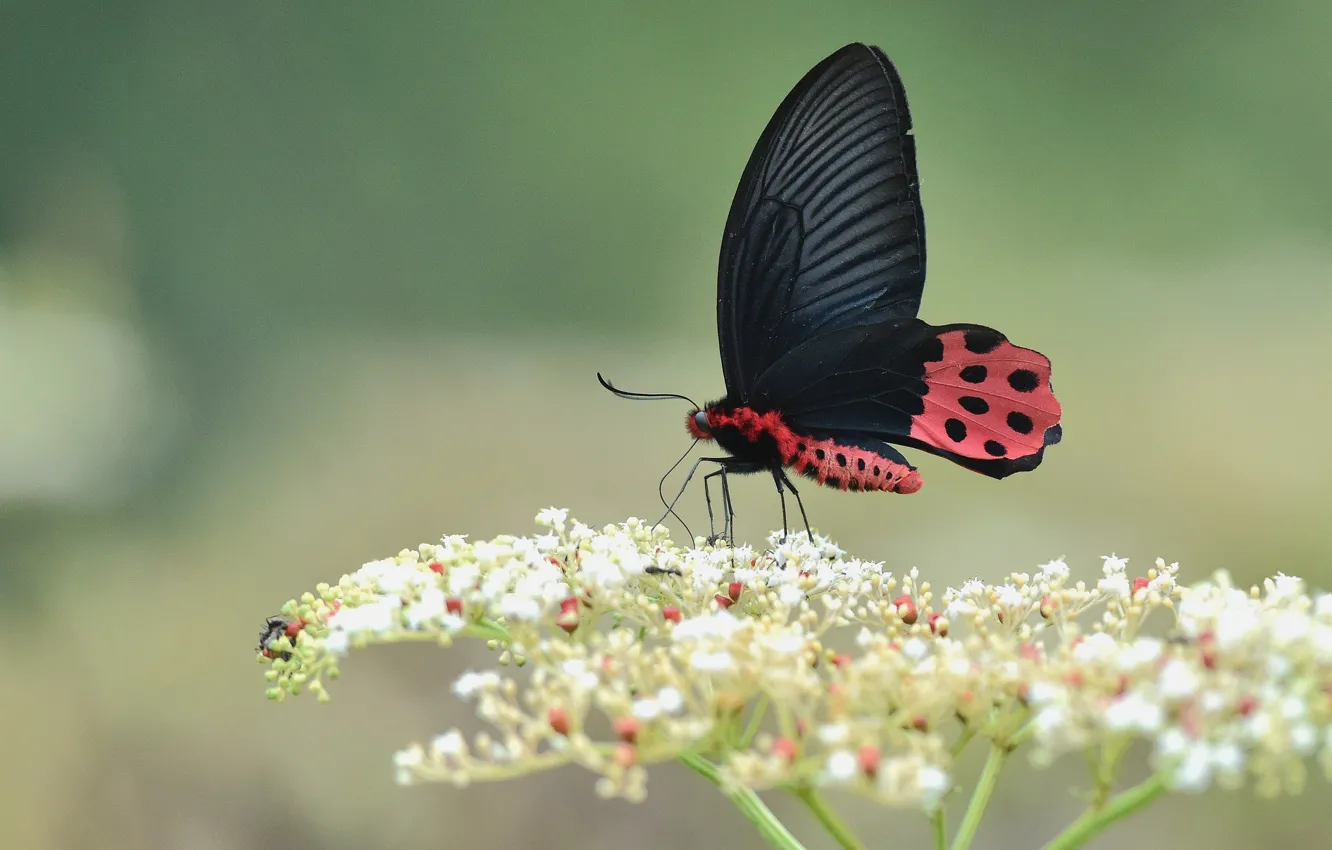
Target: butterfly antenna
644, 396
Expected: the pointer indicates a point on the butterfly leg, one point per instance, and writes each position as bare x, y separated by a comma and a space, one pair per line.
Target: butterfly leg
783, 479
728, 524
707, 497
781, 494
722, 462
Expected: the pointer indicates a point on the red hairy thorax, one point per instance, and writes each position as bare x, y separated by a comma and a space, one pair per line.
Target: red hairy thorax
830, 463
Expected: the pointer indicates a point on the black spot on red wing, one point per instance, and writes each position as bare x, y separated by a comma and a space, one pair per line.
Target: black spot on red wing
957, 430
852, 484
971, 404
800, 447
841, 459
982, 340
1023, 380
1020, 422
932, 351
876, 470
995, 448
973, 374
832, 481
820, 454
860, 464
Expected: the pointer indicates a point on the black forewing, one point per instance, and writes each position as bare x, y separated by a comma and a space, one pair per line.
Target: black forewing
826, 229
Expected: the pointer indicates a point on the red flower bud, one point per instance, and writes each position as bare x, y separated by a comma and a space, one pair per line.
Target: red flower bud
868, 758
626, 728
626, 755
558, 719
568, 616
906, 608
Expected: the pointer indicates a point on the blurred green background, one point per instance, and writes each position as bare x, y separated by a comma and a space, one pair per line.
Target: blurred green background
287, 286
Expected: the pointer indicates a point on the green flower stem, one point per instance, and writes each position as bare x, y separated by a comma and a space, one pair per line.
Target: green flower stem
940, 829
1095, 821
831, 822
961, 743
486, 630
1111, 752
747, 802
755, 720
966, 831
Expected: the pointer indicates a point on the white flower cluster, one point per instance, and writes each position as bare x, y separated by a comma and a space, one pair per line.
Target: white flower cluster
797, 664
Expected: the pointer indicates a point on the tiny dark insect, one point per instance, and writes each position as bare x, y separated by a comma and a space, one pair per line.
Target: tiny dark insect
273, 628
663, 571
820, 278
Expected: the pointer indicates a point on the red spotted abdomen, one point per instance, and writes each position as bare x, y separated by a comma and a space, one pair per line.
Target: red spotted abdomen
846, 466
850, 467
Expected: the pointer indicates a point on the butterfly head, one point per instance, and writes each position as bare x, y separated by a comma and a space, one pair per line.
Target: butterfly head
698, 424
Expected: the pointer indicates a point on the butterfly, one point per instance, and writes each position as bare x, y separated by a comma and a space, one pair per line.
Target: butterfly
820, 277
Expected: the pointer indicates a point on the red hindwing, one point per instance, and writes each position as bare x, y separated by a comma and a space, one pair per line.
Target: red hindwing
987, 398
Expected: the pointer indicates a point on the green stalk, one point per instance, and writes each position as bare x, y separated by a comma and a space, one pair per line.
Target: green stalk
940, 829
989, 777
1095, 821
747, 802
755, 720
831, 822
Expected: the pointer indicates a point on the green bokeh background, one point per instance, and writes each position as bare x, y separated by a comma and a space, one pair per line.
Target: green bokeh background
286, 286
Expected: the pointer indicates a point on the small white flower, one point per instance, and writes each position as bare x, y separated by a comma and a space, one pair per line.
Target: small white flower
1143, 652
1134, 713
915, 649
581, 676
1116, 585
1098, 647
1177, 680
711, 662
1293, 708
1056, 571
337, 642
933, 783
1303, 739
404, 762
516, 607
832, 734
645, 709
1011, 597
1194, 772
462, 578
428, 609
449, 744
471, 683
552, 518
842, 766
1228, 758
378, 616
1282, 587
1114, 565
720, 625
670, 700
1323, 606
